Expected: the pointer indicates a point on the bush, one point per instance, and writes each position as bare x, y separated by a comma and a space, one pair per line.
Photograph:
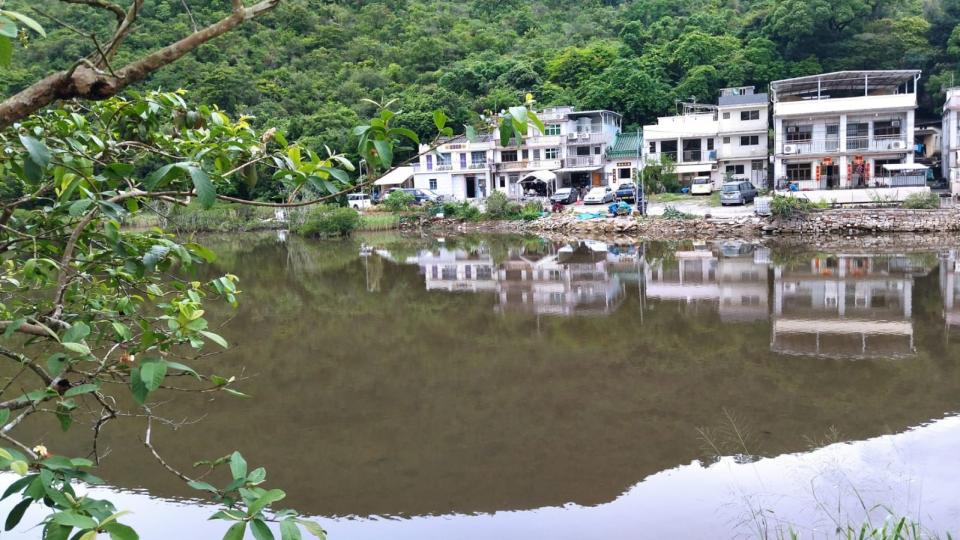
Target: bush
398, 201
497, 204
327, 221
531, 211
672, 213
922, 201
784, 206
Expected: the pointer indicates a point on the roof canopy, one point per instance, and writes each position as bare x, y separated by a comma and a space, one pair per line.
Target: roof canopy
539, 176
844, 81
626, 145
905, 167
395, 177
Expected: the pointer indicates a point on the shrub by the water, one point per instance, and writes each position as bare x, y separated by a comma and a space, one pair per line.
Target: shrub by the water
784, 206
922, 201
326, 221
497, 204
398, 201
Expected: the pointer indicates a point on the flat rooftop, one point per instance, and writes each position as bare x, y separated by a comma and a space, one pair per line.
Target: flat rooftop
743, 99
846, 84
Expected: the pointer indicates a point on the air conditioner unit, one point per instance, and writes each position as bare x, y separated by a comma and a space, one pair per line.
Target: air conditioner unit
791, 149
897, 145
584, 136
572, 136
895, 123
791, 129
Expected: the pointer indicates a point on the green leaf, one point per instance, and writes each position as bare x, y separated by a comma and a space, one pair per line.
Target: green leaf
27, 21
20, 467
506, 132
206, 193
38, 152
18, 486
536, 121
439, 119
203, 252
12, 327
79, 207
122, 330
15, 515
313, 528
265, 500
215, 338
260, 530
238, 466
137, 388
4, 416
257, 476
6, 51
161, 175
5, 454
471, 133
289, 530
8, 28
384, 152
229, 515
152, 374
73, 519
236, 531
202, 486
337, 173
119, 531
54, 531
404, 132
77, 333
89, 535
78, 348
182, 367
81, 389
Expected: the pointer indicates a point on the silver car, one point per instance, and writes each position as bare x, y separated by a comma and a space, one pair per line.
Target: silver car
741, 192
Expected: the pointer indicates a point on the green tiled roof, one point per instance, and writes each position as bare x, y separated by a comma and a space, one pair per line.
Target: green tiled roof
625, 145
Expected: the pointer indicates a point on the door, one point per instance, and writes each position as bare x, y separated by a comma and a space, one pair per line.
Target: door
471, 187
596, 179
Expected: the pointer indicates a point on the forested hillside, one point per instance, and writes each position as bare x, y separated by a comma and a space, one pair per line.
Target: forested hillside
308, 66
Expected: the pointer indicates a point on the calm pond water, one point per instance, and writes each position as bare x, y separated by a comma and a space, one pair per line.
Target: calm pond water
513, 387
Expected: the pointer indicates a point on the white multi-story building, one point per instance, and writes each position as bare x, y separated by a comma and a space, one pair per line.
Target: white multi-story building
458, 169
851, 129
950, 140
688, 140
743, 126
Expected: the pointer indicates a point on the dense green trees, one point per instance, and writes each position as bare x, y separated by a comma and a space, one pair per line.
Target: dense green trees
308, 65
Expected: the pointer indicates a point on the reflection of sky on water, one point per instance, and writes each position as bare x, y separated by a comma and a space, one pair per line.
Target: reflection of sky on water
836, 305
915, 474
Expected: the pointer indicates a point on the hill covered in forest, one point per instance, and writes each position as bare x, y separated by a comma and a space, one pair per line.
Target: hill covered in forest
308, 66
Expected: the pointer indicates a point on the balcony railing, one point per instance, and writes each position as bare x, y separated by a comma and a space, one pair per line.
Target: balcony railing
587, 137
526, 165
898, 181
853, 144
696, 156
477, 165
441, 167
583, 161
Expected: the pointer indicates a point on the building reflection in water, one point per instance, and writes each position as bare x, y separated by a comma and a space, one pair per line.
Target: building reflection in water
843, 306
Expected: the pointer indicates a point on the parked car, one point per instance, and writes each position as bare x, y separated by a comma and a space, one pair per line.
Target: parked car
564, 196
359, 201
627, 192
737, 193
420, 196
702, 185
599, 195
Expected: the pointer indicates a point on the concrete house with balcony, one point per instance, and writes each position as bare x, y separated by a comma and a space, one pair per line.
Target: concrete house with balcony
569, 153
847, 137
688, 140
458, 169
950, 140
743, 127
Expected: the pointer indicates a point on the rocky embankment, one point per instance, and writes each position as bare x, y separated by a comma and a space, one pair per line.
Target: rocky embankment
653, 228
858, 221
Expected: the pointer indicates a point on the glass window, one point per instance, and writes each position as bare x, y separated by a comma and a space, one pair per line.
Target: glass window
653, 147
749, 115
552, 129
735, 169
503, 182
508, 155
799, 133
624, 174
726, 140
536, 153
433, 183
552, 153
525, 154
726, 116
596, 150
669, 148
758, 164
463, 160
429, 162
749, 140
478, 158
799, 171
709, 144
889, 128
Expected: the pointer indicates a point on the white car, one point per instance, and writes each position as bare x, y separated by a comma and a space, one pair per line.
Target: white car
359, 201
599, 195
702, 185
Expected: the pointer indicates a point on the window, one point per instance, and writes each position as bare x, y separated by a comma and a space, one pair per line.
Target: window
653, 147
552, 129
799, 171
536, 154
433, 183
758, 165
429, 162
525, 154
508, 155
750, 140
749, 115
467, 271
669, 148
552, 153
889, 128
596, 150
478, 158
583, 150
726, 116
503, 182
798, 133
463, 160
726, 140
709, 144
444, 159
858, 136
735, 169
624, 174
484, 272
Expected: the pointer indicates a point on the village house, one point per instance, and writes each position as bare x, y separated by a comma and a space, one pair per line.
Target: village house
950, 140
743, 126
624, 159
688, 140
837, 132
458, 169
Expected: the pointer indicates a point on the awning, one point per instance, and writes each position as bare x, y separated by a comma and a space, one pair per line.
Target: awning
540, 176
579, 169
905, 167
683, 169
395, 177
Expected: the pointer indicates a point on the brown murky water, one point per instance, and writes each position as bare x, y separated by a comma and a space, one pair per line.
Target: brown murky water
478, 375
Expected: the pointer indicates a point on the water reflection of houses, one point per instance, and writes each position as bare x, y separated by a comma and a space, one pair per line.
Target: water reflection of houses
950, 287
731, 278
458, 270
848, 306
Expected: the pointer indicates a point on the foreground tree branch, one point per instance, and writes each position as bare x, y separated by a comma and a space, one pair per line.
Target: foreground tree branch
82, 81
